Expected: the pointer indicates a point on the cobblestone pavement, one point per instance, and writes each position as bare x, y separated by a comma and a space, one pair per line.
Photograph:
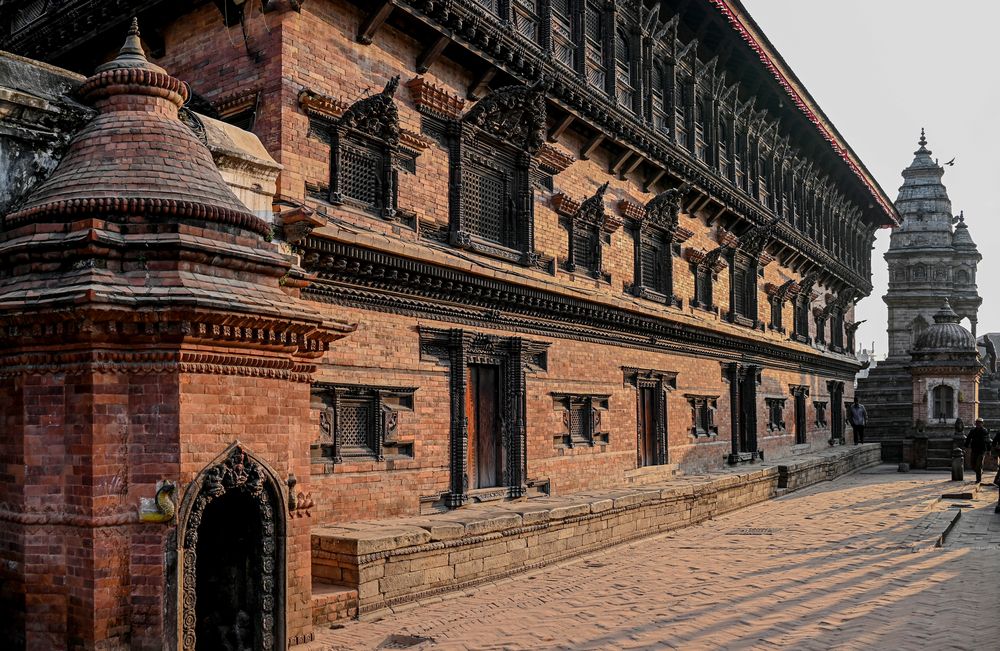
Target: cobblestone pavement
848, 564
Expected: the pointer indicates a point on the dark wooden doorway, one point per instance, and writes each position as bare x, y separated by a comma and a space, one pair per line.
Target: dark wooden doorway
482, 409
648, 407
836, 410
748, 413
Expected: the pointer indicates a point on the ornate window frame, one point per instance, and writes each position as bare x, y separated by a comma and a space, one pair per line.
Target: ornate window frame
775, 414
819, 408
777, 296
497, 137
705, 269
703, 410
659, 219
381, 405
590, 410
588, 224
369, 128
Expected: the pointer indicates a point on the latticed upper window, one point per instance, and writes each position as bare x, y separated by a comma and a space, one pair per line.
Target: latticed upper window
563, 37
485, 203
741, 291
527, 18
656, 261
493, 6
360, 421
585, 243
594, 26
624, 90
661, 98
361, 173
582, 419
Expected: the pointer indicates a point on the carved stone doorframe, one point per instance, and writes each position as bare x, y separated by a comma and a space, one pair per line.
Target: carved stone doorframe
514, 357
237, 470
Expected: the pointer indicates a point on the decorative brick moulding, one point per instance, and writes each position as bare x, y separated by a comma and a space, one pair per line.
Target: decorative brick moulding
552, 159
434, 99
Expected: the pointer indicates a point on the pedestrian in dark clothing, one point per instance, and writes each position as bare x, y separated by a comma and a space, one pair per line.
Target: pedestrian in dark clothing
978, 442
857, 416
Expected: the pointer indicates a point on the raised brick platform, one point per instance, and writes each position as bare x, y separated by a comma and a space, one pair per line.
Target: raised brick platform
392, 562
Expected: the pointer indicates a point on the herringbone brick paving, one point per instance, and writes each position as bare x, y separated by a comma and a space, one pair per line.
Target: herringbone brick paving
848, 564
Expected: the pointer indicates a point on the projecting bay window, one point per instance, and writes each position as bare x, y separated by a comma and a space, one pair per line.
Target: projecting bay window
660, 97
528, 18
583, 419
595, 29
626, 92
564, 33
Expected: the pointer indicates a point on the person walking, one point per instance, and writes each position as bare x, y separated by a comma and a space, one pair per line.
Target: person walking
977, 441
857, 416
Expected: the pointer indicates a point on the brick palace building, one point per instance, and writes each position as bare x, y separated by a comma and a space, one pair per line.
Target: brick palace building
472, 251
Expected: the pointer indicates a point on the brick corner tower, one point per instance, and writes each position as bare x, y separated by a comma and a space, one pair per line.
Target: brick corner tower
156, 359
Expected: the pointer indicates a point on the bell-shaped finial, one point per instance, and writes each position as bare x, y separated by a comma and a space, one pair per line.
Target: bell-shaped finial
131, 55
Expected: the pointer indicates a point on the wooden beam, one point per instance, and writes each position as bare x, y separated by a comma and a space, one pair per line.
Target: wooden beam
431, 54
479, 87
616, 164
591, 147
560, 128
652, 179
370, 25
715, 217
632, 166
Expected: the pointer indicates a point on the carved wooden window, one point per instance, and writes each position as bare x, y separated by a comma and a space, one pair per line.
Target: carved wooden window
589, 232
702, 128
625, 91
595, 31
820, 408
800, 393
492, 202
724, 163
655, 261
820, 317
492, 6
364, 144
527, 18
584, 250
703, 277
837, 329
564, 36
777, 307
583, 418
743, 276
944, 402
359, 421
740, 175
683, 109
775, 414
703, 410
800, 318
661, 97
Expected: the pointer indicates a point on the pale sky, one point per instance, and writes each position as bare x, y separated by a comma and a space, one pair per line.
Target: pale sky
881, 70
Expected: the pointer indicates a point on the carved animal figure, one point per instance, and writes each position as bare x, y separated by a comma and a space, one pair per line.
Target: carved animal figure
161, 508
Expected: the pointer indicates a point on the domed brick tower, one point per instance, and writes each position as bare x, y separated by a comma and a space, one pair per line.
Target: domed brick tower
156, 364
932, 259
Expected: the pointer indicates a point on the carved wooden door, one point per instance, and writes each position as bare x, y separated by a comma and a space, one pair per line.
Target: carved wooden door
748, 414
647, 426
482, 400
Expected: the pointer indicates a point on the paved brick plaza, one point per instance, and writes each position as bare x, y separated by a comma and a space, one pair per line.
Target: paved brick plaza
848, 564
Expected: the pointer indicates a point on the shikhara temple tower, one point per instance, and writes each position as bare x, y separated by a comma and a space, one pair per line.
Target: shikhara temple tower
932, 262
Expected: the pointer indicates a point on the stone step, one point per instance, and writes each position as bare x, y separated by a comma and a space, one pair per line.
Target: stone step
651, 474
332, 603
